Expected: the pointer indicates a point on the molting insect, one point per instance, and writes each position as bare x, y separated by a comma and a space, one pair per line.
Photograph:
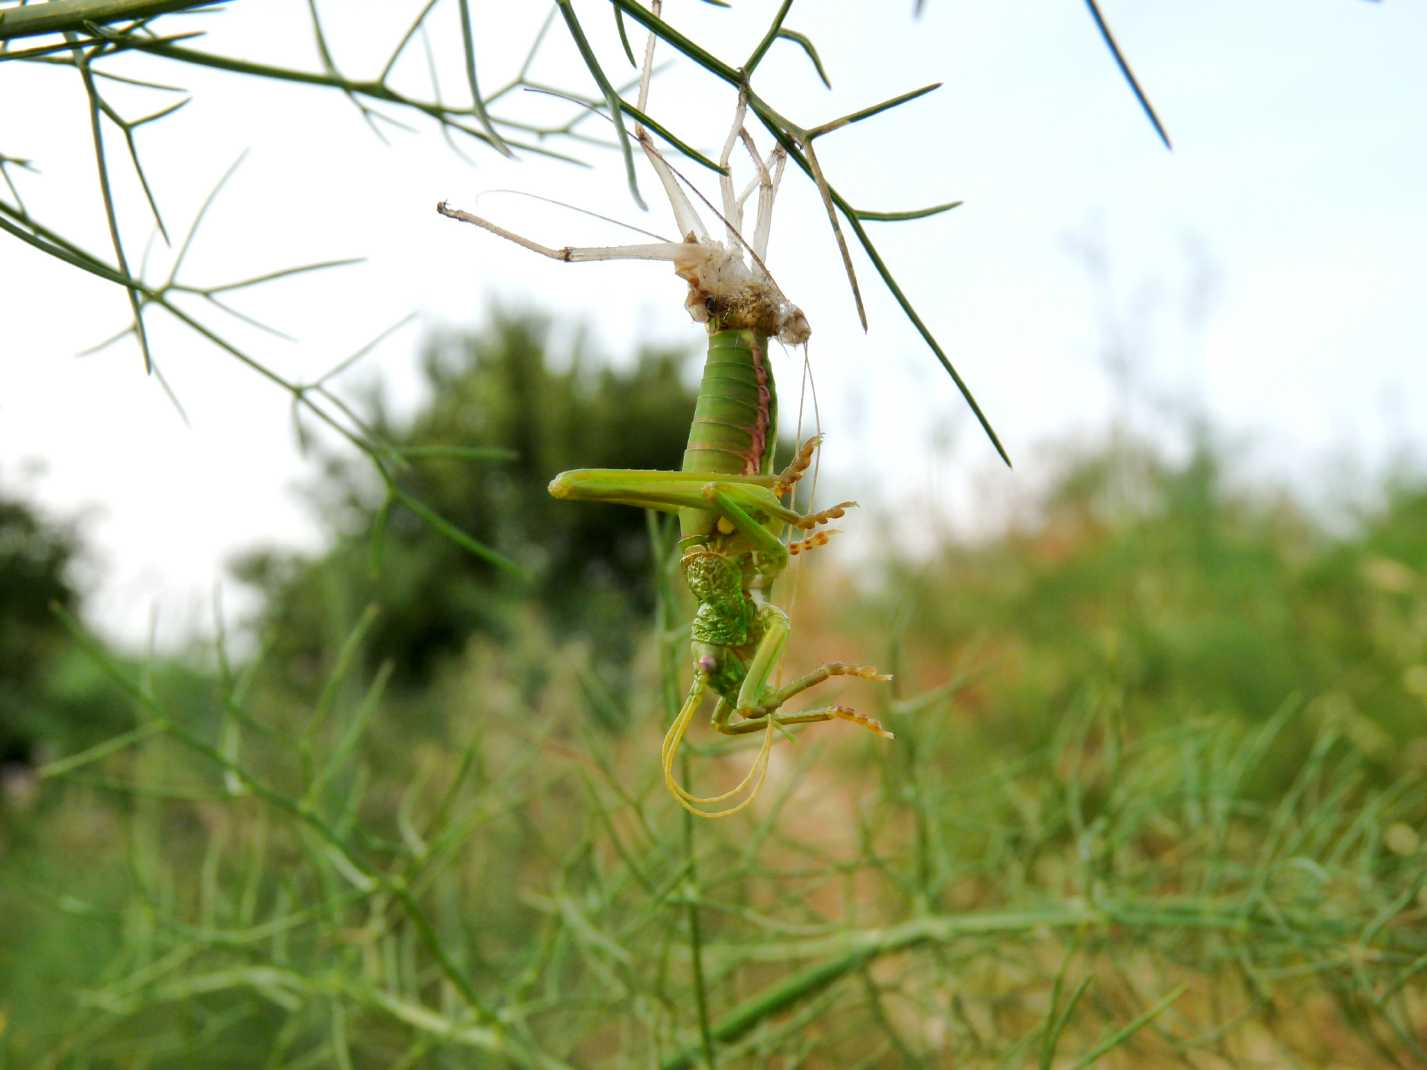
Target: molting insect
730, 499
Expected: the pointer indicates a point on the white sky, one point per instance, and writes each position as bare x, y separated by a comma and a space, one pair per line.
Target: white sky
1269, 269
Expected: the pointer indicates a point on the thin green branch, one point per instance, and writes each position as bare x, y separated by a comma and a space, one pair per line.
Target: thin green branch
612, 99
74, 16
770, 35
805, 42
1121, 1035
117, 43
416, 24
1128, 74
868, 112
478, 104
376, 90
624, 37
271, 276
110, 214
441, 525
49, 243
898, 217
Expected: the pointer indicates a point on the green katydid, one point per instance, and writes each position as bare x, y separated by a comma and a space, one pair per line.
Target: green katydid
728, 496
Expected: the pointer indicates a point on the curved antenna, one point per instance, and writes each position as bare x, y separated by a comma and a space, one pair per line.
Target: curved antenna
574, 208
808, 388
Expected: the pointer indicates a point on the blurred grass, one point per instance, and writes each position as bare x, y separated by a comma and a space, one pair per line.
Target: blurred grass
1156, 798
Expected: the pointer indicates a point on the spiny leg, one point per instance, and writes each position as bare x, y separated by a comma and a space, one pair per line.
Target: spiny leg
789, 477
814, 716
802, 460
774, 699
808, 521
751, 719
757, 703
725, 494
812, 542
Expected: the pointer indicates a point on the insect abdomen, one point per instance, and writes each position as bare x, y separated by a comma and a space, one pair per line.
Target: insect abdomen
736, 415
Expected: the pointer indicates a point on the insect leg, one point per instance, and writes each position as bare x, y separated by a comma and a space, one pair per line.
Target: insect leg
776, 698
812, 542
737, 498
685, 217
768, 179
764, 541
813, 716
801, 462
732, 206
805, 521
653, 489
570, 253
757, 703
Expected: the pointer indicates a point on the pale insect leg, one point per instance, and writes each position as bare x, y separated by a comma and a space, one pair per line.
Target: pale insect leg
656, 9
777, 156
685, 217
732, 206
571, 253
767, 191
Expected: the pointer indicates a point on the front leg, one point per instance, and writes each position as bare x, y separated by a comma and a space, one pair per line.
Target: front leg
670, 492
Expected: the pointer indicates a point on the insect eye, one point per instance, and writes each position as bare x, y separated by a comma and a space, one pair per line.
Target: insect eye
711, 304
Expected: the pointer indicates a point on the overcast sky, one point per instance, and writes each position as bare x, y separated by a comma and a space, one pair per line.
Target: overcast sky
1268, 271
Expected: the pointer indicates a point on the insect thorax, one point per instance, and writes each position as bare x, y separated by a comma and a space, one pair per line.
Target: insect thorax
725, 612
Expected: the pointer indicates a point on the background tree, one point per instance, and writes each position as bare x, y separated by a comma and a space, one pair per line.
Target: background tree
509, 416
36, 574
52, 698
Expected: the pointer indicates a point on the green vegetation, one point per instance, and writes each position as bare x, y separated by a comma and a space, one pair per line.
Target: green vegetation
500, 422
1156, 797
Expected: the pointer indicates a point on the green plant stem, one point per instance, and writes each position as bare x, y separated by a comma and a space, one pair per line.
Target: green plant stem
59, 16
375, 90
849, 952
696, 955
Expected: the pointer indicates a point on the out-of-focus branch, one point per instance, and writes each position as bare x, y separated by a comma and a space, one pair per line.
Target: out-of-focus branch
73, 16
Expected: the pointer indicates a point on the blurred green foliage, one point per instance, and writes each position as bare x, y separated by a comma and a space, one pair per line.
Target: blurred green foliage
36, 560
1157, 793
498, 389
1190, 596
52, 699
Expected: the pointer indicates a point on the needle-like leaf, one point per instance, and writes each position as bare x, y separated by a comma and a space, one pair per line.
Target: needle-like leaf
611, 97
1129, 75
806, 43
913, 213
468, 43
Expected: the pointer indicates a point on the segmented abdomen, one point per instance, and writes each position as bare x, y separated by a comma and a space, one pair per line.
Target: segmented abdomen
736, 416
